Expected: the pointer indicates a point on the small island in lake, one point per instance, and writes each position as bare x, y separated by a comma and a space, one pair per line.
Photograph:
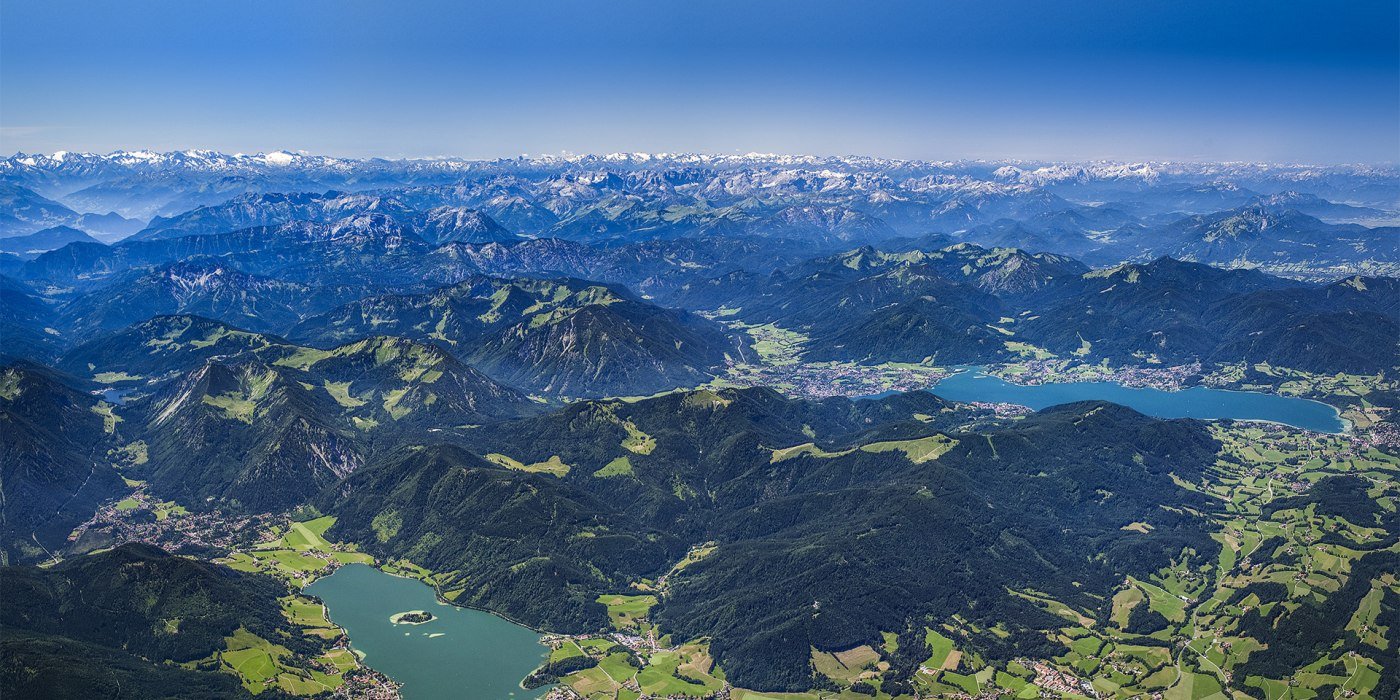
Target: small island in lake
412, 617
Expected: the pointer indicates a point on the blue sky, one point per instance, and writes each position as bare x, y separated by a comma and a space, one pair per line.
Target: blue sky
1036, 79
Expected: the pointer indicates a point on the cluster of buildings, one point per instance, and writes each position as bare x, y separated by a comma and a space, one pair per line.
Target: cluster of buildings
364, 683
1383, 435
564, 692
823, 380
1003, 410
636, 643
1058, 370
1050, 678
135, 520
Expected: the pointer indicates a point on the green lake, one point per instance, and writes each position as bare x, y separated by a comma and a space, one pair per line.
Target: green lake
462, 653
1196, 402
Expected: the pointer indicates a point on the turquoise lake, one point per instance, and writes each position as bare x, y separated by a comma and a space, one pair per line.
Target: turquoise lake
461, 654
1195, 402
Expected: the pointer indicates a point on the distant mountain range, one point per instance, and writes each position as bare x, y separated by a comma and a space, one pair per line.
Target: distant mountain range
23, 211
1106, 213
338, 282
966, 304
31, 245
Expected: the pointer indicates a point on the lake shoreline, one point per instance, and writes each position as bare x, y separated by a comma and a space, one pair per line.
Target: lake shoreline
475, 649
465, 606
1138, 398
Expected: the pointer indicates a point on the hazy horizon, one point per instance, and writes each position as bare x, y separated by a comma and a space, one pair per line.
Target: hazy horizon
660, 155
1083, 81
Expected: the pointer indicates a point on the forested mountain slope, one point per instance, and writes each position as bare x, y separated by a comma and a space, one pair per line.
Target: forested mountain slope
834, 521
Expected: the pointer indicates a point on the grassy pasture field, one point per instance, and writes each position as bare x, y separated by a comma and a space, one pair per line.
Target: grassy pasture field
261, 665
659, 678
308, 535
567, 650
297, 551
553, 465
918, 450
618, 668
628, 612
621, 466
940, 649
847, 667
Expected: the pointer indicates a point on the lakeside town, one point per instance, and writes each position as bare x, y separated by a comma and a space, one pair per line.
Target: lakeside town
1035, 372
141, 517
822, 380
